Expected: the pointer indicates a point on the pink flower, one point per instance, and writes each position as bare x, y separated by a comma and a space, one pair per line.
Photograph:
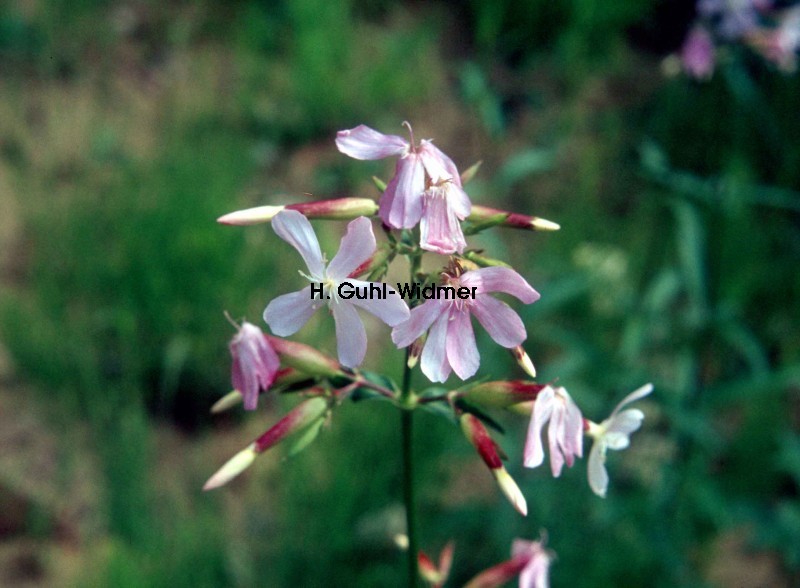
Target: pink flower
565, 433
255, 363
697, 54
451, 341
288, 313
419, 169
529, 560
535, 573
613, 433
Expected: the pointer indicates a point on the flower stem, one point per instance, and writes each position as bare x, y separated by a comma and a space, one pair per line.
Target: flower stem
406, 424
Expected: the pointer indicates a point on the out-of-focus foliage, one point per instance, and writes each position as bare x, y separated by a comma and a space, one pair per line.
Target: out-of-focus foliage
127, 128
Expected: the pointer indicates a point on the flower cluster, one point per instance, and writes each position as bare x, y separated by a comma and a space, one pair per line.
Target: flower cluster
763, 25
436, 330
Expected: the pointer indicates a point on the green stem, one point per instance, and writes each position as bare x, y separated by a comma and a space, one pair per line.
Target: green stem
406, 423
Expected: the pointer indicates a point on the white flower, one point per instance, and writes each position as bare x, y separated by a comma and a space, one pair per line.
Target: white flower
613, 433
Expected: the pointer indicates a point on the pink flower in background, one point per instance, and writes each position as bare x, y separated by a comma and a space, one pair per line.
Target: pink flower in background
529, 560
613, 433
565, 433
255, 363
451, 341
418, 169
286, 314
698, 54
536, 570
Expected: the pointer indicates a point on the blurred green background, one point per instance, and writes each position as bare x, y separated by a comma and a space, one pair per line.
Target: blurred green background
126, 128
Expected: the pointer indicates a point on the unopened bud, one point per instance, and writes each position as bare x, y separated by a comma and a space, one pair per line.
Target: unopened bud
502, 393
511, 490
523, 359
332, 209
436, 575
470, 172
379, 183
513, 220
305, 358
477, 434
483, 261
232, 468
301, 417
231, 399
415, 351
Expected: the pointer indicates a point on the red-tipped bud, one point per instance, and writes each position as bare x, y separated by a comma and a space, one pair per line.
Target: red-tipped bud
433, 574
524, 360
305, 415
332, 209
477, 434
305, 358
415, 351
495, 216
503, 393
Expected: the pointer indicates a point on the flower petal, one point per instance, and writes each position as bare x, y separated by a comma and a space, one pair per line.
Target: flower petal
555, 436
625, 422
434, 362
363, 142
419, 321
391, 310
440, 230
633, 397
356, 247
500, 279
438, 165
401, 204
574, 425
351, 338
542, 410
459, 201
462, 352
286, 314
597, 474
294, 228
502, 323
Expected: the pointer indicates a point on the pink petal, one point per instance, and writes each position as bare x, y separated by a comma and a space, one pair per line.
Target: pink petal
459, 201
502, 323
438, 165
597, 474
401, 204
462, 352
286, 314
500, 279
542, 410
351, 338
356, 247
294, 228
574, 429
419, 321
255, 363
434, 356
633, 397
391, 310
440, 230
362, 142
555, 436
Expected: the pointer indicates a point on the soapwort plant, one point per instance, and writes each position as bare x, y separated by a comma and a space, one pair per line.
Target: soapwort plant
435, 329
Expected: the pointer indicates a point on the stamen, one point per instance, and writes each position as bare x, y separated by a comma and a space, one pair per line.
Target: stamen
410, 133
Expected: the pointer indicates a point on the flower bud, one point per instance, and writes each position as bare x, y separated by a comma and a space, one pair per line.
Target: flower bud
231, 399
305, 358
523, 359
300, 418
483, 261
502, 393
510, 219
332, 209
232, 468
479, 437
470, 172
430, 572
